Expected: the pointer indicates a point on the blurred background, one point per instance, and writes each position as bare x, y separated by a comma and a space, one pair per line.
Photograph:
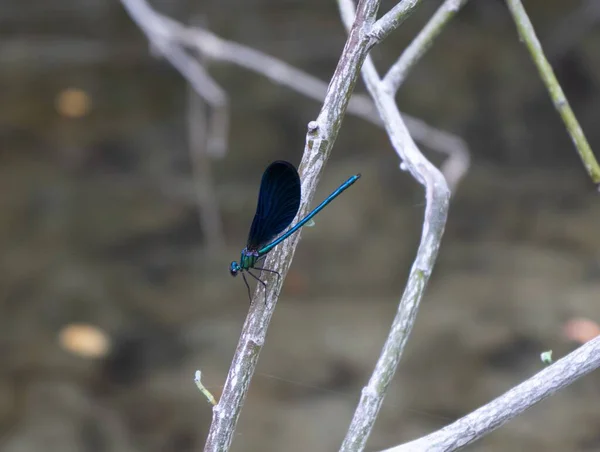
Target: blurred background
117, 229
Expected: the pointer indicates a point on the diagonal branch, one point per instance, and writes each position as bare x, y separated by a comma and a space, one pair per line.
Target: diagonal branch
215, 48
512, 403
156, 28
437, 195
320, 138
392, 19
527, 34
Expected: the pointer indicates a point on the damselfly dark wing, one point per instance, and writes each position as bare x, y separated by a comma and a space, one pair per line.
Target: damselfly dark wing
278, 203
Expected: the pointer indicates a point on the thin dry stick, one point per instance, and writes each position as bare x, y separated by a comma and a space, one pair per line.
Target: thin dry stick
458, 162
486, 419
512, 403
360, 105
319, 142
527, 34
206, 198
437, 195
200, 146
216, 48
320, 138
392, 19
156, 29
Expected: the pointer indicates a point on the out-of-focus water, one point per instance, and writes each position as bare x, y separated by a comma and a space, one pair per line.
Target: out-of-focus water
99, 224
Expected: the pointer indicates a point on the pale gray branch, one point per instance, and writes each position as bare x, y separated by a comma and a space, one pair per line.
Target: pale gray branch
320, 138
437, 195
512, 403
457, 164
392, 19
209, 216
158, 31
529, 38
215, 48
360, 105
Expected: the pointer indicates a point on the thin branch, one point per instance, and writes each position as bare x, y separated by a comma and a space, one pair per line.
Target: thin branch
209, 216
437, 195
417, 48
512, 403
457, 164
198, 380
212, 47
527, 34
156, 29
201, 147
360, 105
319, 142
392, 19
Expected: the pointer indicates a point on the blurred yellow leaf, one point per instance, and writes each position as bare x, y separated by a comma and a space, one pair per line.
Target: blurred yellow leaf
73, 103
581, 330
84, 340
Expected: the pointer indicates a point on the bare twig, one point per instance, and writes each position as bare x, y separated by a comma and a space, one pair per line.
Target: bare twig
512, 403
319, 141
206, 198
417, 48
392, 19
202, 388
215, 48
561, 374
200, 149
281, 73
156, 29
360, 105
457, 164
527, 34
437, 195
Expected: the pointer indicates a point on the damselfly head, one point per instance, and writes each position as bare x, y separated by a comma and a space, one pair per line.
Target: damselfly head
234, 268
